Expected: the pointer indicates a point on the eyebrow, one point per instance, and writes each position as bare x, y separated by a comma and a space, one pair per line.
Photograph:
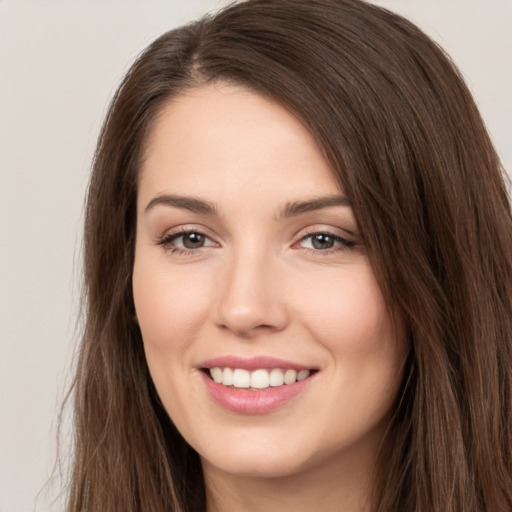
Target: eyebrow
299, 207
187, 203
291, 209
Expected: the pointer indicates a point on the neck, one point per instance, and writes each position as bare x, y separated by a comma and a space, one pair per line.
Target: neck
327, 487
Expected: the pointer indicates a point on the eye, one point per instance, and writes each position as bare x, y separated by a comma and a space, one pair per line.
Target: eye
191, 240
324, 242
186, 241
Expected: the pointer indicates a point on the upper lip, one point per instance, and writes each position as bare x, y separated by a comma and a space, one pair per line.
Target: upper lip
252, 363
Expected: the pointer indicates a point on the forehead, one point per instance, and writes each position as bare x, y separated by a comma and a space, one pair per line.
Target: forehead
219, 136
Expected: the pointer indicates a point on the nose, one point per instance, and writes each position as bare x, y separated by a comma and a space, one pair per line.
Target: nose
251, 296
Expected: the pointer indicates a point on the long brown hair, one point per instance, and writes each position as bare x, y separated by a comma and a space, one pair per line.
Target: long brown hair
403, 136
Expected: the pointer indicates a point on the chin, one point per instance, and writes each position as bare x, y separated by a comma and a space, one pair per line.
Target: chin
268, 463
289, 452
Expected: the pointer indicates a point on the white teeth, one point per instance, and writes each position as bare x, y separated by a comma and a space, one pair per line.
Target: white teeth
227, 377
258, 379
216, 374
290, 376
276, 377
241, 378
302, 374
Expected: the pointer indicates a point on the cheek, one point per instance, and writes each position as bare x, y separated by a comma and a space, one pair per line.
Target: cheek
346, 310
170, 308
349, 318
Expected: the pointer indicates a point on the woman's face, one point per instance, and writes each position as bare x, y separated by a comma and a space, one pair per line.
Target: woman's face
249, 268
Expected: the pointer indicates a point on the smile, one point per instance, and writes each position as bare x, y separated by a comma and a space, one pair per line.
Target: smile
256, 385
257, 379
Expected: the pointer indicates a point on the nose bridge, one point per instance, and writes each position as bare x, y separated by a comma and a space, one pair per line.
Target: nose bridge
250, 300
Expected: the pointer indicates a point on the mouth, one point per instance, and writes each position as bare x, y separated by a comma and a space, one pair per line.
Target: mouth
255, 385
258, 379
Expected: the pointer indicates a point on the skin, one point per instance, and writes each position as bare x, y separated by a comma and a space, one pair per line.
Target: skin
259, 286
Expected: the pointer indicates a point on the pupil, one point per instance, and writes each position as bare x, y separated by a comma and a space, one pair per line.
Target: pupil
193, 240
322, 241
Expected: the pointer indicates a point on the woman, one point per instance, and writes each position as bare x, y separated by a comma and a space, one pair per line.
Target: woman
298, 275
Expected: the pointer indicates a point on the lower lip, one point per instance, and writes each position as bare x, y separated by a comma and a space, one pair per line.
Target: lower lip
244, 401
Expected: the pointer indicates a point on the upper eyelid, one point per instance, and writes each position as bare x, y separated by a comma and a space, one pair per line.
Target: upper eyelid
167, 242
346, 234
184, 229
341, 239
328, 233
175, 235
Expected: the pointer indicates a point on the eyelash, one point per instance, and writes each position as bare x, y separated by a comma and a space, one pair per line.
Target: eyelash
345, 244
168, 239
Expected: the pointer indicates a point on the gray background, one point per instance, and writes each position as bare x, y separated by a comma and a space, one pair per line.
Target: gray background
59, 65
